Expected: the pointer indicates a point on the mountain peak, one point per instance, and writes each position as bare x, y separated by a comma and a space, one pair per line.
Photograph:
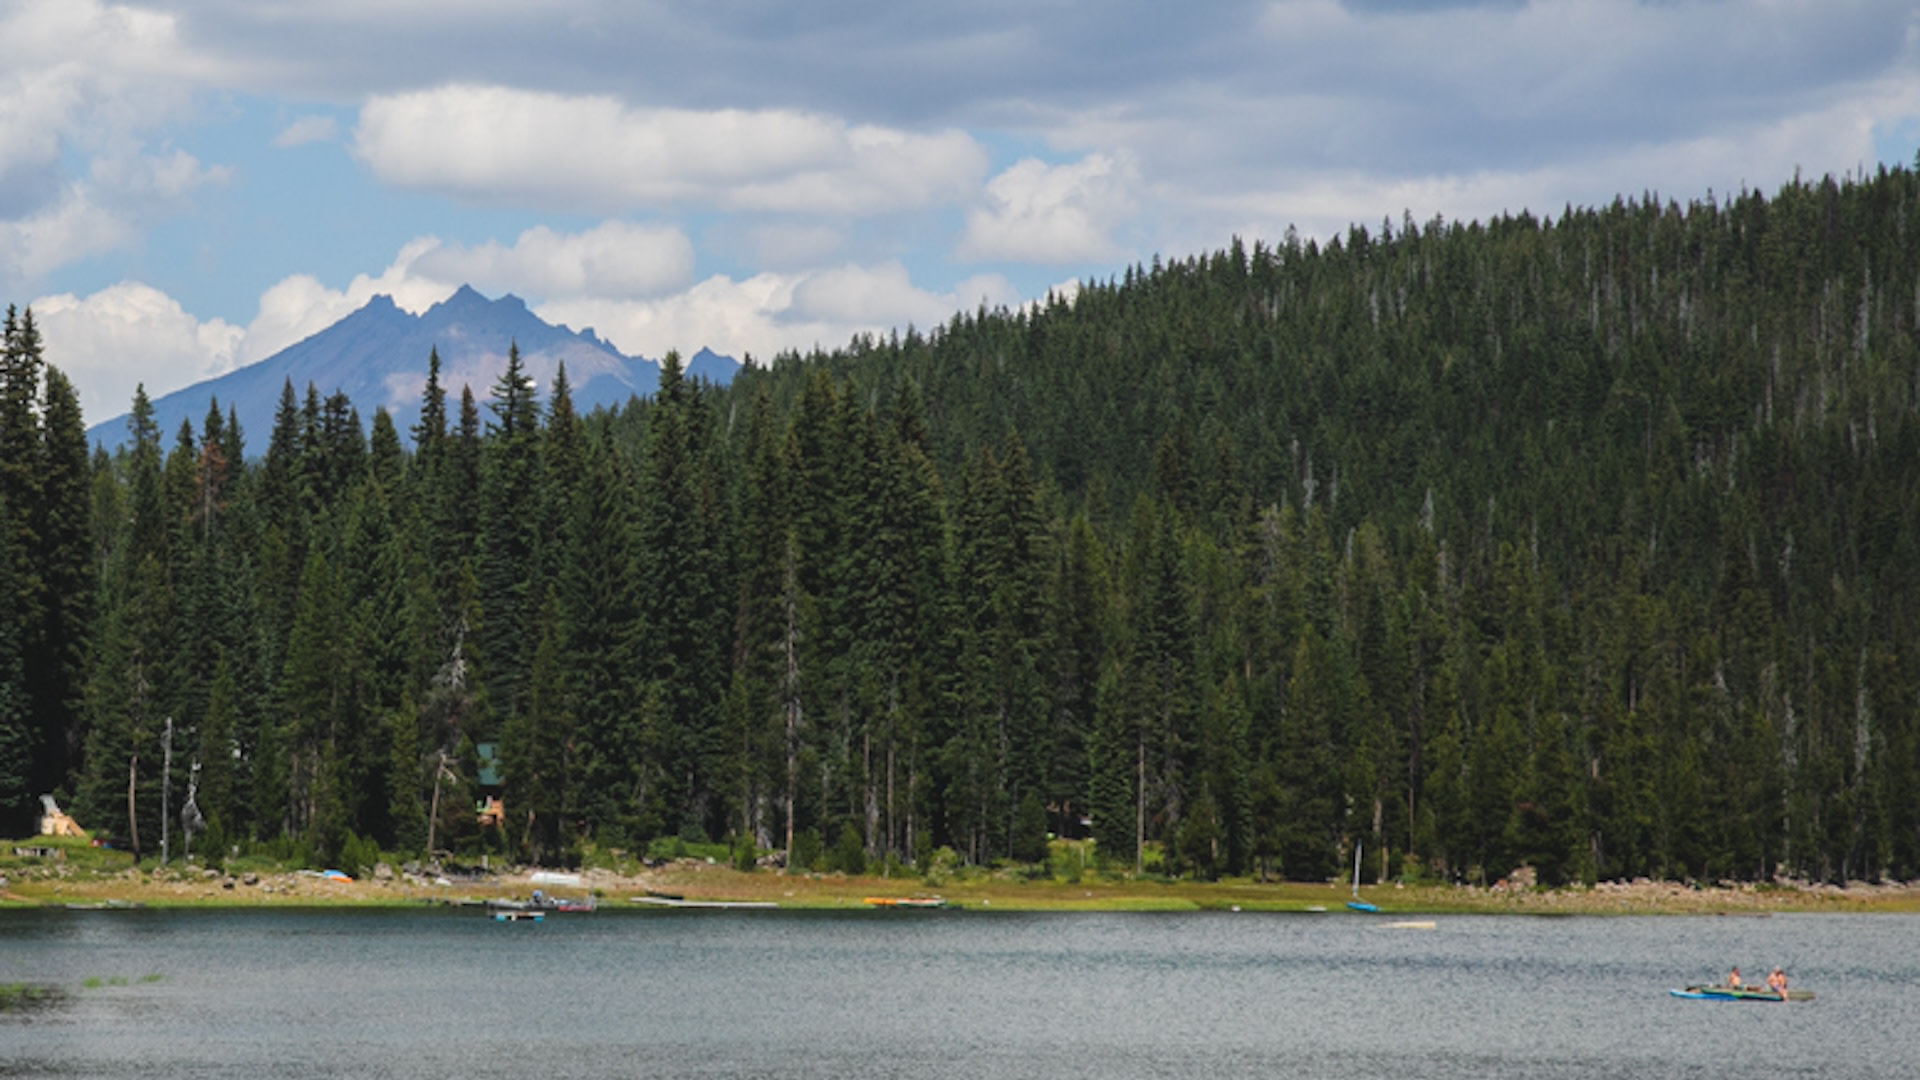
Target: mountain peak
465, 298
377, 356
468, 303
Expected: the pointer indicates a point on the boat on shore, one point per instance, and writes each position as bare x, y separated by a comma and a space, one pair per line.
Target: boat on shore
1740, 993
906, 901
682, 902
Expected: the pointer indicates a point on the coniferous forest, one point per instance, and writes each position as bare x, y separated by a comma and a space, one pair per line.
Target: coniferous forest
1587, 542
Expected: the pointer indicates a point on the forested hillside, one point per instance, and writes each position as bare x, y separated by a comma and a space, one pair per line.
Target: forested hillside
1589, 543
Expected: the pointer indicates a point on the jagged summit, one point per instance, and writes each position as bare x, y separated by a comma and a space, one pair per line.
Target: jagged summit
377, 356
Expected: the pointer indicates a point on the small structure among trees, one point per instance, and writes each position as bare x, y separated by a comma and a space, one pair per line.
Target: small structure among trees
56, 822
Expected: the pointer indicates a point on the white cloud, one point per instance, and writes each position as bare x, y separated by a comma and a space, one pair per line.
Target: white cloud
78, 72
90, 46
1053, 214
133, 333
87, 80
770, 313
883, 296
126, 335
613, 259
307, 129
98, 214
1352, 113
55, 235
500, 144
297, 307
154, 180
786, 246
1323, 204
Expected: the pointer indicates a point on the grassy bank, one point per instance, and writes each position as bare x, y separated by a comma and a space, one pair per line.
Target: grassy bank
75, 875
1001, 892
71, 873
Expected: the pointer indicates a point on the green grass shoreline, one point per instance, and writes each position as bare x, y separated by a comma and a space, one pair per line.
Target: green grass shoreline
836, 892
76, 875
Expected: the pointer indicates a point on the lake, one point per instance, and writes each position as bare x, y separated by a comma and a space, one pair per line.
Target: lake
855, 995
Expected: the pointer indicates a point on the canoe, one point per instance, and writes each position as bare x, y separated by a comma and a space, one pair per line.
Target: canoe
906, 901
519, 916
678, 902
1742, 993
1362, 905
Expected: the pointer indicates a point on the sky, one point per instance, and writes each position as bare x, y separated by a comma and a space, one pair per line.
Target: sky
187, 186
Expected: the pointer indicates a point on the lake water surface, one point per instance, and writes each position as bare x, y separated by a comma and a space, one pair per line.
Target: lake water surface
850, 996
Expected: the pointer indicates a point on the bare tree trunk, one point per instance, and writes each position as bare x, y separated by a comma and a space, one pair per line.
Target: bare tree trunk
433, 815
1140, 807
1379, 817
913, 777
191, 820
870, 795
133, 820
166, 785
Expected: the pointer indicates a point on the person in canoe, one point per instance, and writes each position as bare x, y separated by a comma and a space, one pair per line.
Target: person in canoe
1733, 978
1777, 982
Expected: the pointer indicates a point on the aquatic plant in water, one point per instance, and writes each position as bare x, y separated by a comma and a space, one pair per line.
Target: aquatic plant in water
19, 997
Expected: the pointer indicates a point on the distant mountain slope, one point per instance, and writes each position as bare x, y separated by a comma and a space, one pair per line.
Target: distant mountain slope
377, 356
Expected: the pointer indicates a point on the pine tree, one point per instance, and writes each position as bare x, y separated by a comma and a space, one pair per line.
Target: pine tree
763, 536
600, 619
1077, 633
16, 744
321, 712
535, 751
131, 693
218, 746
406, 771
22, 461
504, 568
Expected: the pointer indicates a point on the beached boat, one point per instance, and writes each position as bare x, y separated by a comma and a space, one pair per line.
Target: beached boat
682, 902
1739, 993
907, 901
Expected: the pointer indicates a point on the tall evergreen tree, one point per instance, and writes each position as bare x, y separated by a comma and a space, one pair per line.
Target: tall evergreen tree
16, 732
22, 461
509, 518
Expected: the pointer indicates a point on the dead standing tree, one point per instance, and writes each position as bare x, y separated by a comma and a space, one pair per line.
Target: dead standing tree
192, 821
166, 784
